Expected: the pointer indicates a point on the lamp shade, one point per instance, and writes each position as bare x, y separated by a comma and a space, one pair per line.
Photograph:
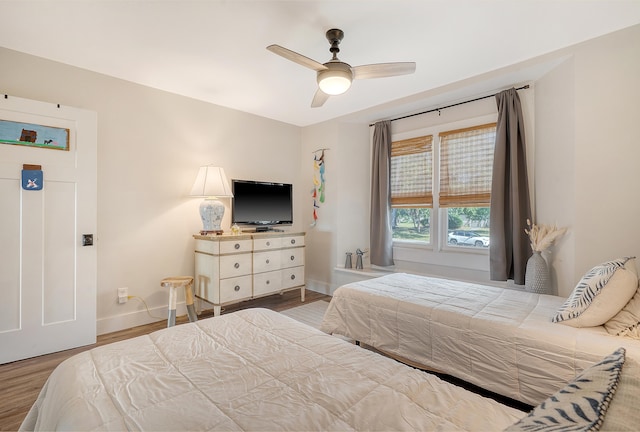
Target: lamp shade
211, 182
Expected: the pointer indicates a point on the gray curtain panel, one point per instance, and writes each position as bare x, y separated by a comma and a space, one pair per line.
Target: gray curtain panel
510, 205
381, 239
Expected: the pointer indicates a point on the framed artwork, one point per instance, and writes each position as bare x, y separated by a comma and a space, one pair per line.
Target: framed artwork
33, 135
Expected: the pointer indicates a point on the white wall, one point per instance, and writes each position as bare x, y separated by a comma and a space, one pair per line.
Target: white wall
150, 145
343, 219
555, 171
588, 118
583, 151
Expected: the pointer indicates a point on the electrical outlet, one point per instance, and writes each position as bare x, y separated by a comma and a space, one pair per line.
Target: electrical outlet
123, 295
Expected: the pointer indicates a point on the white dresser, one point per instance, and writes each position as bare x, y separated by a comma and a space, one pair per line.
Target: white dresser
233, 268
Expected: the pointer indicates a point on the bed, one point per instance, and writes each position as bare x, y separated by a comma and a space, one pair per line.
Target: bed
499, 339
254, 369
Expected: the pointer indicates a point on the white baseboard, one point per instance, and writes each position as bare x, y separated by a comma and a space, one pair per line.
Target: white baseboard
137, 318
318, 286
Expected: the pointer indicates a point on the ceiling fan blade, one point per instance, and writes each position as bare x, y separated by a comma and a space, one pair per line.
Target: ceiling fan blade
381, 70
297, 58
319, 99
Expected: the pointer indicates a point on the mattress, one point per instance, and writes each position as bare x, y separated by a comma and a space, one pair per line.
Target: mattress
502, 340
252, 370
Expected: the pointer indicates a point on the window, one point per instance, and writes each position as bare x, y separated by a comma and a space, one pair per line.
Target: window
466, 166
467, 226
463, 167
412, 188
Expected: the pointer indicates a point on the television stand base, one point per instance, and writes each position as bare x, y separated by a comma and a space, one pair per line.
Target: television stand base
265, 229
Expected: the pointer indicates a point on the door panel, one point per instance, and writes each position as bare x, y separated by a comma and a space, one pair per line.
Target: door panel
47, 278
10, 256
60, 247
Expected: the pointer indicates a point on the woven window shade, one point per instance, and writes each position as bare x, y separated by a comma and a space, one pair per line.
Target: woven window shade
412, 172
466, 165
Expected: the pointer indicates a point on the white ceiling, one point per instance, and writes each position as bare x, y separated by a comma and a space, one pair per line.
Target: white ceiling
215, 50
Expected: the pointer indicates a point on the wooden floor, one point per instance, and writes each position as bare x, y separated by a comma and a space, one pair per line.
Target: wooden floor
21, 381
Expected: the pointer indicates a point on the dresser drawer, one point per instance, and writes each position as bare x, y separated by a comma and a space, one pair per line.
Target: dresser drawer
267, 283
235, 265
292, 277
235, 246
268, 243
266, 261
292, 257
293, 241
235, 289
209, 247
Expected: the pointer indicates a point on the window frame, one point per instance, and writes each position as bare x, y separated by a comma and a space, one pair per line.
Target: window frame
438, 251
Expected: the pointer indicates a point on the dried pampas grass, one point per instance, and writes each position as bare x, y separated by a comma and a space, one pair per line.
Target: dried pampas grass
542, 236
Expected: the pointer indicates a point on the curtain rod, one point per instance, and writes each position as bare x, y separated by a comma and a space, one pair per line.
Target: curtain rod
449, 106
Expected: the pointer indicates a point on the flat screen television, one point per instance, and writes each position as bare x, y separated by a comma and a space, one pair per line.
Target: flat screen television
261, 204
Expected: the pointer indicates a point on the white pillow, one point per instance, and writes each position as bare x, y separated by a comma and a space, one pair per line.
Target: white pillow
601, 293
627, 321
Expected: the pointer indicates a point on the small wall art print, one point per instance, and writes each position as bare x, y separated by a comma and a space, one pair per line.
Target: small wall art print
33, 135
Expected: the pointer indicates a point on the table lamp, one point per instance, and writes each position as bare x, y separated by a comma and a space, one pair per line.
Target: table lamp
211, 183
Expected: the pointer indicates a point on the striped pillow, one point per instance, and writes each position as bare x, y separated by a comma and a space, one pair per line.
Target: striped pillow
600, 295
582, 404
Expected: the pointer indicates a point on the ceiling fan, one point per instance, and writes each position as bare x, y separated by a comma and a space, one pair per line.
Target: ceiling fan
335, 77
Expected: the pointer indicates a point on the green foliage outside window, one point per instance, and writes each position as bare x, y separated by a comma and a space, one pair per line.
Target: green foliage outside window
411, 224
414, 223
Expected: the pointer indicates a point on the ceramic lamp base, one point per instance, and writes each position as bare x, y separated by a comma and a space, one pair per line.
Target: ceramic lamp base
211, 213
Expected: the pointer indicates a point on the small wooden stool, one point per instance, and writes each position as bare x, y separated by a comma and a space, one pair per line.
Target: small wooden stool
173, 283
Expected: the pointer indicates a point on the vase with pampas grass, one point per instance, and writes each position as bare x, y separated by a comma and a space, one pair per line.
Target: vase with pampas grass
536, 277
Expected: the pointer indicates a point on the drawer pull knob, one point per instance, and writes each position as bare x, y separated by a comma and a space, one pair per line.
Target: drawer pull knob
293, 257
268, 282
267, 261
237, 265
293, 277
236, 288
268, 243
293, 241
237, 246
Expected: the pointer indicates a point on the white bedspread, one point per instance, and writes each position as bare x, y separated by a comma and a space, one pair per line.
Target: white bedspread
499, 339
252, 370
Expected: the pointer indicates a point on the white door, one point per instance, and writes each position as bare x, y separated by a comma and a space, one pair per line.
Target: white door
47, 277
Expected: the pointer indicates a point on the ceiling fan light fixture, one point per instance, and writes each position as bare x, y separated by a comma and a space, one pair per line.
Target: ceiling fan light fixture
335, 77
336, 80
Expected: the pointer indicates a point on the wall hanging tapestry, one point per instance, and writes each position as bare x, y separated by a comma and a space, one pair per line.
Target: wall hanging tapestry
317, 192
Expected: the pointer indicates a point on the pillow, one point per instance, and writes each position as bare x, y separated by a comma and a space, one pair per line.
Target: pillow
582, 404
631, 265
623, 413
601, 293
626, 322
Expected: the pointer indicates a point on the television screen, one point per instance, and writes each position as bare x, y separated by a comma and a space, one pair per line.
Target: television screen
261, 203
